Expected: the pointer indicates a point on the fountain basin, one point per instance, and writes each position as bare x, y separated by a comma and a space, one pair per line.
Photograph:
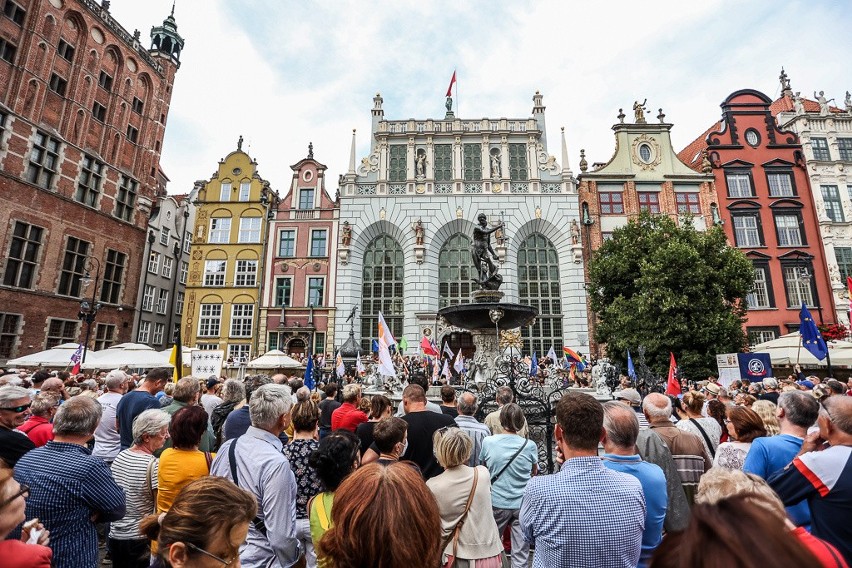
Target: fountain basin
477, 316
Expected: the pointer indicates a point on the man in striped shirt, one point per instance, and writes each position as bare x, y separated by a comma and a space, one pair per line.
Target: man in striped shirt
69, 489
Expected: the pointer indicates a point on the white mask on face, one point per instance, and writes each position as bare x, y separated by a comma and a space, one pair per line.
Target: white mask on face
404, 447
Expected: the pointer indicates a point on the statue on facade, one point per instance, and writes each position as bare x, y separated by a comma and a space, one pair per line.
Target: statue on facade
798, 104
575, 232
419, 232
346, 239
495, 165
848, 102
484, 256
823, 103
639, 111
420, 164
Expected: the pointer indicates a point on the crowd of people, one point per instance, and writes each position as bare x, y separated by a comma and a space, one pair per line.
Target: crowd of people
136, 471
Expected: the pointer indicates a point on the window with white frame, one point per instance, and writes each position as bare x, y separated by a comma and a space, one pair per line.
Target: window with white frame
245, 190
739, 184
688, 202
210, 320
159, 332
820, 148
306, 198
187, 242
246, 273
287, 243
220, 230
184, 271
757, 335
798, 286
319, 238
164, 235
144, 332
179, 304
167, 266
162, 301
833, 205
242, 318
239, 353
844, 148
760, 297
844, 261
283, 291
746, 230
154, 262
214, 272
249, 230
207, 346
148, 298
225, 191
788, 229
316, 291
780, 184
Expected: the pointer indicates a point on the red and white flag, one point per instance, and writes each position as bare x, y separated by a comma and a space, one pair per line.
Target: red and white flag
75, 358
427, 348
673, 385
452, 82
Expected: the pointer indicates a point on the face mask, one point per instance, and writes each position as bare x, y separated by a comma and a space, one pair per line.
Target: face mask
404, 447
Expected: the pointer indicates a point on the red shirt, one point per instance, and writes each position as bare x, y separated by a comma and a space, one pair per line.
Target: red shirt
37, 429
347, 417
827, 555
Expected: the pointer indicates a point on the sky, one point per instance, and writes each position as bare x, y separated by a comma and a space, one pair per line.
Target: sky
283, 73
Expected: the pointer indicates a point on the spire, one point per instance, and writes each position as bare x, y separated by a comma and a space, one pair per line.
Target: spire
352, 155
165, 39
172, 15
566, 168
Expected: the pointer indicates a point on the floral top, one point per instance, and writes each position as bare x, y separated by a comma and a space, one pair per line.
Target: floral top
307, 482
731, 455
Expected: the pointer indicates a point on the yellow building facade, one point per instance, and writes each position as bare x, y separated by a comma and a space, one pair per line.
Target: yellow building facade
226, 259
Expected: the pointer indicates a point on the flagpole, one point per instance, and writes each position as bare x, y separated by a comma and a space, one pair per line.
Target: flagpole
458, 113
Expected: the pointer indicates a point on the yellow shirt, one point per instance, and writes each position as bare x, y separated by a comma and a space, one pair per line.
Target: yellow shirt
176, 469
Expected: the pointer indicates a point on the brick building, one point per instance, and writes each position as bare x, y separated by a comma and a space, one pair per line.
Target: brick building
83, 108
298, 304
768, 212
644, 174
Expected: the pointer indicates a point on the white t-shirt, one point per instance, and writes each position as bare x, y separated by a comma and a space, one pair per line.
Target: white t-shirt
209, 402
107, 438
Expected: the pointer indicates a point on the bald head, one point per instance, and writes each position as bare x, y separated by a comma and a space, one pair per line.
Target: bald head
621, 424
657, 407
52, 384
467, 404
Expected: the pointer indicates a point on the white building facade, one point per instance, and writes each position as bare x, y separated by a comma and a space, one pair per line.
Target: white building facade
407, 213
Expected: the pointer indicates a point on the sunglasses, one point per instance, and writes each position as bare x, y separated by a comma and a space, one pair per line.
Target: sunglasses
24, 492
21, 408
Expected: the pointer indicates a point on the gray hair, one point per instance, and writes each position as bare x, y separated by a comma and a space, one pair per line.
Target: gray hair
149, 423
233, 391
115, 379
655, 410
303, 394
78, 416
467, 404
800, 408
512, 418
621, 424
43, 402
504, 395
838, 409
186, 389
268, 403
90, 384
11, 393
351, 392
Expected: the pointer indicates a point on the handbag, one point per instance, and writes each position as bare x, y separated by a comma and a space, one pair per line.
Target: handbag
454, 535
148, 478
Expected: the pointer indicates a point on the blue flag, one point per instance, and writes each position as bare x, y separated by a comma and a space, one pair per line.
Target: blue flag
631, 370
534, 365
811, 337
375, 345
309, 373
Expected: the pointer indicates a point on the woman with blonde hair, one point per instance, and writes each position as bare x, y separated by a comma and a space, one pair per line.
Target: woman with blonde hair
766, 410
463, 494
707, 429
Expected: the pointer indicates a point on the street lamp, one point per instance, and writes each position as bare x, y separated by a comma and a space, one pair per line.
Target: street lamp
89, 310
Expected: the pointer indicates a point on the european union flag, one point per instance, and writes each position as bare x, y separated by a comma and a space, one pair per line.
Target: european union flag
309, 372
631, 370
534, 365
375, 345
811, 337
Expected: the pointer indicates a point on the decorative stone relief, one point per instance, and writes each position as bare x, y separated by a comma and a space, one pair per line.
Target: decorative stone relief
546, 163
656, 157
370, 163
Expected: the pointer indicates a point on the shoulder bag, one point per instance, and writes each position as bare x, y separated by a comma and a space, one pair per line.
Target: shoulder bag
232, 454
508, 463
706, 437
454, 535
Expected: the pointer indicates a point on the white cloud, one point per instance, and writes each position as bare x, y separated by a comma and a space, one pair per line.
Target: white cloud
283, 74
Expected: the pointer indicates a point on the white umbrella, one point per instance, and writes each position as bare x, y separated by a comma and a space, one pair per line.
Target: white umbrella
274, 359
59, 356
786, 350
133, 355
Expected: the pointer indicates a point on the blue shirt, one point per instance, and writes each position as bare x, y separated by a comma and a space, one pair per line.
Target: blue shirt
477, 432
497, 450
770, 455
238, 422
653, 482
67, 486
129, 407
585, 516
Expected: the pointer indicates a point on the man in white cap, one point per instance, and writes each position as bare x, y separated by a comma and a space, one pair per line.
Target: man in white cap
633, 399
711, 392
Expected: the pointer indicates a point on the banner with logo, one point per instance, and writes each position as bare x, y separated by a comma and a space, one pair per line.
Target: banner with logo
207, 363
755, 366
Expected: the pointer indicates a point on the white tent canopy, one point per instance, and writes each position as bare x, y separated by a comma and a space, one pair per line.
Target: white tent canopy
274, 359
59, 356
786, 350
133, 355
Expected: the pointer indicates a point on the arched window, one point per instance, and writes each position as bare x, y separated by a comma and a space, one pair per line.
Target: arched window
538, 286
455, 271
382, 289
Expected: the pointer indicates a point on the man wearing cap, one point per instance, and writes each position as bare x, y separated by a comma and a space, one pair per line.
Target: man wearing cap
209, 400
711, 392
633, 399
770, 388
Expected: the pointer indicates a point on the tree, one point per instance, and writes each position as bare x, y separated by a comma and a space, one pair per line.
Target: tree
670, 288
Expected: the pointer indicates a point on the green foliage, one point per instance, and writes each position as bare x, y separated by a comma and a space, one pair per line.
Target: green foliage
670, 288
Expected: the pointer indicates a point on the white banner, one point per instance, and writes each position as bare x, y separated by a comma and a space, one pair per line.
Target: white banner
207, 363
729, 368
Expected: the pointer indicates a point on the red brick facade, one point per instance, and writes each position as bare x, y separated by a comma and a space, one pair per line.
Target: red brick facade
83, 108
